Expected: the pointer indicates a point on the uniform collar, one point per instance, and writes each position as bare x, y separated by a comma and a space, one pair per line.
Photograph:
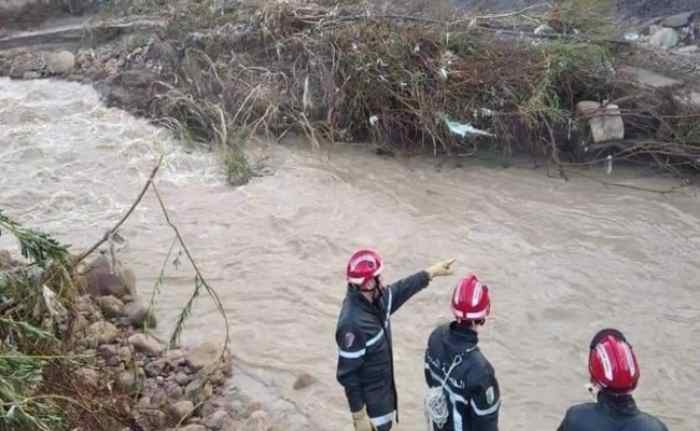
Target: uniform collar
463, 334
622, 405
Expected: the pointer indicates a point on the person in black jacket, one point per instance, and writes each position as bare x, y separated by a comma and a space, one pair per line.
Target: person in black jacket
614, 373
463, 392
363, 336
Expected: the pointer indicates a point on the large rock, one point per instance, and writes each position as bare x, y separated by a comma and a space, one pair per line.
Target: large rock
204, 355
145, 344
138, 316
605, 121
665, 38
60, 63
101, 333
180, 409
111, 306
679, 20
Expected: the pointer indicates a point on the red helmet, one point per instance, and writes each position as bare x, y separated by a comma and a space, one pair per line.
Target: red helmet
363, 266
612, 363
470, 300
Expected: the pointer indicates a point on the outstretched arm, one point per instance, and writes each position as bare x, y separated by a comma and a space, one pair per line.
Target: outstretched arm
401, 291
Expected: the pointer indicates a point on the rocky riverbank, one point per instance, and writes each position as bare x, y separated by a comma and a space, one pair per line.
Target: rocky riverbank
126, 377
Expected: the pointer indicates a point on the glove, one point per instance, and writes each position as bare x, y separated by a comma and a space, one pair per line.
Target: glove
440, 269
361, 421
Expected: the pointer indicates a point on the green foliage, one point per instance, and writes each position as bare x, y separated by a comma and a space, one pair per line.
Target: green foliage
36, 246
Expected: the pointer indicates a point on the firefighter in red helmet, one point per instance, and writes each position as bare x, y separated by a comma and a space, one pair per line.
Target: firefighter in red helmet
363, 337
614, 373
463, 393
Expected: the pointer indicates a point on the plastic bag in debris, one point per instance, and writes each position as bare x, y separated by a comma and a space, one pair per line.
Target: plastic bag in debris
464, 129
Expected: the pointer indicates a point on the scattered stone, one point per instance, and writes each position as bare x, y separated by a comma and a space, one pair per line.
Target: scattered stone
154, 368
180, 409
108, 350
88, 376
193, 427
605, 121
60, 63
303, 381
678, 21
146, 344
129, 279
666, 38
174, 391
544, 29
111, 306
175, 357
258, 421
101, 332
183, 378
216, 420
137, 315
196, 392
203, 355
126, 381
153, 419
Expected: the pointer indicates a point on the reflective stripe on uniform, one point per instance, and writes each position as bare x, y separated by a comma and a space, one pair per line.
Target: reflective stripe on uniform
383, 420
360, 353
487, 411
351, 355
376, 338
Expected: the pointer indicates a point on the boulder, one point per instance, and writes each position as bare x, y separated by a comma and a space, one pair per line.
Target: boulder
60, 63
202, 356
101, 332
605, 122
304, 380
217, 420
145, 344
665, 38
647, 77
180, 409
111, 306
678, 20
126, 381
138, 316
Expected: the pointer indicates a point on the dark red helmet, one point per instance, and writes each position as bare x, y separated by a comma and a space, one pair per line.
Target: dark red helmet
470, 300
612, 363
363, 266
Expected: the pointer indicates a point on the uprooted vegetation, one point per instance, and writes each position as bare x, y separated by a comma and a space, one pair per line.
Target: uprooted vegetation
434, 82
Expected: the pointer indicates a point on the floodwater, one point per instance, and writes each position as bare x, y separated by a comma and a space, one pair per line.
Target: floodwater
562, 259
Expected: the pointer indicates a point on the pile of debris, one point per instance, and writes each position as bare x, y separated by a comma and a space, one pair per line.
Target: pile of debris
400, 82
679, 33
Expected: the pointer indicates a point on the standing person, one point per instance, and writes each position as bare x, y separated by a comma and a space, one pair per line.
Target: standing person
614, 373
363, 336
463, 392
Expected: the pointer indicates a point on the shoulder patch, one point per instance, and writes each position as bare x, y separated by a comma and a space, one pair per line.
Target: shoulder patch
490, 395
348, 339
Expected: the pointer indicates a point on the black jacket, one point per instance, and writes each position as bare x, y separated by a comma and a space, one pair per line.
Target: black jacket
610, 413
472, 393
363, 336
